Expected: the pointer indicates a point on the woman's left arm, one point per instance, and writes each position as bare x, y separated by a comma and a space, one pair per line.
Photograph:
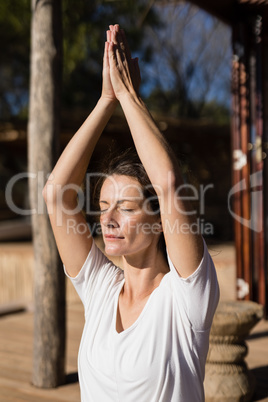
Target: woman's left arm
185, 247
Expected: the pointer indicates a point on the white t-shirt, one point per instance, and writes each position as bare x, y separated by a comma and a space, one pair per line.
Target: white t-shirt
161, 357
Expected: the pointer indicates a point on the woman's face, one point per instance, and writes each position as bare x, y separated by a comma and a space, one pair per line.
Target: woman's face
128, 224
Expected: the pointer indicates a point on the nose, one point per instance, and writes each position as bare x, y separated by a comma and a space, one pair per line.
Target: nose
108, 218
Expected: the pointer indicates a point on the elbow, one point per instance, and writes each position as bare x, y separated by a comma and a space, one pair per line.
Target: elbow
59, 196
44, 194
48, 194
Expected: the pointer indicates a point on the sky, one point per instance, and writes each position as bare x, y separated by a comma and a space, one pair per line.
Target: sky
198, 41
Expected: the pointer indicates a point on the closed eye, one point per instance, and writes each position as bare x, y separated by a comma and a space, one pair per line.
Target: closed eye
127, 210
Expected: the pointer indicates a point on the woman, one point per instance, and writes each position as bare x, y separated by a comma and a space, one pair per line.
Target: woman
147, 327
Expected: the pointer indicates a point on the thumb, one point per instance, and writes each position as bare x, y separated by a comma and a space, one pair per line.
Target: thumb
105, 56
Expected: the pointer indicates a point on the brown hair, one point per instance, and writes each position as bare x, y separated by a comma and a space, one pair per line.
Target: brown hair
127, 163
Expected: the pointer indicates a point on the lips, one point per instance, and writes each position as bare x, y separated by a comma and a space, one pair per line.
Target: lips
112, 237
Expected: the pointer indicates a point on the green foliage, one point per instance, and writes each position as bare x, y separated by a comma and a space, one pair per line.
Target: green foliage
177, 64
84, 27
15, 19
170, 103
216, 112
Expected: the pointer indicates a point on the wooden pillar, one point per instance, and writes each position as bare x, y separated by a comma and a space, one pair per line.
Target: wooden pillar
236, 149
240, 140
265, 148
249, 138
256, 140
43, 146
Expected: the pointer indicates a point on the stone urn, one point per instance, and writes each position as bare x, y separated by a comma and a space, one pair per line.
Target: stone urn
227, 376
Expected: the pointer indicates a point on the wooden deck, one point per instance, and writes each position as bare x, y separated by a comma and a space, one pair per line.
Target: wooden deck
16, 333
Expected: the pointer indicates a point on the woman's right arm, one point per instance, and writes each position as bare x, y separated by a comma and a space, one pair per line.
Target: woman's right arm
70, 229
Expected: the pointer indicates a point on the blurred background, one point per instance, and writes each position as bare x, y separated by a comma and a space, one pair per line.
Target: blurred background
193, 65
185, 59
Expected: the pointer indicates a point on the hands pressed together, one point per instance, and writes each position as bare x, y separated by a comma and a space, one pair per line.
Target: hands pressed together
121, 73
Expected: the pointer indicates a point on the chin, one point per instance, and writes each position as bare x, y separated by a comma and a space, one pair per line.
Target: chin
112, 251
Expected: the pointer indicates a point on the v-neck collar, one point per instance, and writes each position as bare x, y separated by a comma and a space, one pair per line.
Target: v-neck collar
135, 323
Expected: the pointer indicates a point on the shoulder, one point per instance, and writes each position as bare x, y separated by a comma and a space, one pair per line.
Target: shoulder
205, 270
198, 294
97, 273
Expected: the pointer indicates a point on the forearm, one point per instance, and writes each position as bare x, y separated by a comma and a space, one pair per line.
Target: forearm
72, 164
154, 151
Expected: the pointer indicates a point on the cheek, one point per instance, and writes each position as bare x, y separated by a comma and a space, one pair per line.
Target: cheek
101, 220
128, 223
143, 227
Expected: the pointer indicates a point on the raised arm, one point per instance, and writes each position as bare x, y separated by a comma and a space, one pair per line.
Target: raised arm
185, 248
60, 193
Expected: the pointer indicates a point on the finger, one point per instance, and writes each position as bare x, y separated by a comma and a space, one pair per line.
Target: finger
106, 56
137, 68
123, 48
108, 35
111, 54
114, 28
121, 44
114, 37
116, 59
124, 39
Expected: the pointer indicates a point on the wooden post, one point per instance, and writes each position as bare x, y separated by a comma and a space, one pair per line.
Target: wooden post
249, 137
256, 119
245, 168
240, 133
236, 175
264, 50
43, 146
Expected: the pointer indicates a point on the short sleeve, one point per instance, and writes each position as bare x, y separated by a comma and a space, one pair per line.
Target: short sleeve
97, 274
198, 294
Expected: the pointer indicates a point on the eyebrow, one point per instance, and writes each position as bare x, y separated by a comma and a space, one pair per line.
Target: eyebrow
120, 201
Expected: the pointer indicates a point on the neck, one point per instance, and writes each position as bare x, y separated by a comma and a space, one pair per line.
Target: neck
143, 274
